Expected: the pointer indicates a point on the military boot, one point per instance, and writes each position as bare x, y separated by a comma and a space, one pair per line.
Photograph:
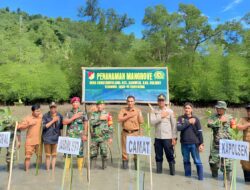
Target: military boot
125, 164
228, 179
214, 170
172, 168
159, 167
93, 163
8, 167
104, 163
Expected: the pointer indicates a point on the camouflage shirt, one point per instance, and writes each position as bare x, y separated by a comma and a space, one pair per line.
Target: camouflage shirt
220, 130
76, 128
100, 131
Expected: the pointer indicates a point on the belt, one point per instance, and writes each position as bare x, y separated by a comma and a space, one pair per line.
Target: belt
130, 131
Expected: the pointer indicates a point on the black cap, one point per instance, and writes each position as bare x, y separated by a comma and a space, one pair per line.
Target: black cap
161, 97
247, 106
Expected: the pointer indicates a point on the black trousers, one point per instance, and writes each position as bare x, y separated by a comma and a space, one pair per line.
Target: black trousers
166, 145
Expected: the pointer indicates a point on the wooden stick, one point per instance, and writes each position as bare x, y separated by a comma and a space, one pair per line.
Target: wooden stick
119, 150
39, 150
88, 156
17, 151
71, 172
150, 161
12, 155
64, 172
138, 172
151, 107
225, 173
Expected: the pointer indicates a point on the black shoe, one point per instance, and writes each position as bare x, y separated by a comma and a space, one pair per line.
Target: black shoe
125, 164
104, 163
159, 167
172, 168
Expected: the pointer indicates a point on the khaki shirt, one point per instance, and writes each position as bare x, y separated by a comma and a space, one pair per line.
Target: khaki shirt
165, 128
132, 123
33, 126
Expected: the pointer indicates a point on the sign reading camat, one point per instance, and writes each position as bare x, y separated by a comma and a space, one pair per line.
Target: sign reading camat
238, 150
138, 145
69, 145
4, 139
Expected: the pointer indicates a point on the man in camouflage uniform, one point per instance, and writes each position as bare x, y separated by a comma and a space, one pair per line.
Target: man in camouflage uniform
76, 121
7, 124
220, 125
101, 132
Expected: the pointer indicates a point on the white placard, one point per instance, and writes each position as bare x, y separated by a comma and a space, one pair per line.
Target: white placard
138, 145
4, 139
238, 150
69, 145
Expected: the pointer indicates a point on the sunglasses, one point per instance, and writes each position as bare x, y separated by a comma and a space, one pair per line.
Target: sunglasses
161, 100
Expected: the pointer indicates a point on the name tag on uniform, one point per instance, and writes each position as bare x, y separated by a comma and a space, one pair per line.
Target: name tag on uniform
4, 139
69, 145
138, 145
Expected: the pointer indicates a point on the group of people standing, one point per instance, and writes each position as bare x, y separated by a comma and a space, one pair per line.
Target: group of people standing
162, 118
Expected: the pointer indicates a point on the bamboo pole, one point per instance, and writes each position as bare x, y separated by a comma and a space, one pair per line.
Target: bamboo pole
12, 155
71, 172
64, 172
39, 151
138, 172
88, 156
225, 173
119, 150
150, 161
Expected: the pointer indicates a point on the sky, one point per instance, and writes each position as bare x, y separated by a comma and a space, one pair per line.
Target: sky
213, 9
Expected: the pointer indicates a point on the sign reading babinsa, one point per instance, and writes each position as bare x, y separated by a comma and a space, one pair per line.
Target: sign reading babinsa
115, 84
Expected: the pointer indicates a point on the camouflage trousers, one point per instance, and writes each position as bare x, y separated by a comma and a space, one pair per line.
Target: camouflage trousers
94, 149
217, 162
8, 154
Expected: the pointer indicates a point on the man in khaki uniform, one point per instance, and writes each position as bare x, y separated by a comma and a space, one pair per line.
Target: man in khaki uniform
244, 124
131, 119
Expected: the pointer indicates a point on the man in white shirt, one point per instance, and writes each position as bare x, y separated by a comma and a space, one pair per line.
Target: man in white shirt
164, 121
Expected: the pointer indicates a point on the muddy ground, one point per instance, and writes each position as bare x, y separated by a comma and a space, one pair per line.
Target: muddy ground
114, 178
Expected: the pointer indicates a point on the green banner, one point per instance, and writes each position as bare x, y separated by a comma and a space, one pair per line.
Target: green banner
115, 84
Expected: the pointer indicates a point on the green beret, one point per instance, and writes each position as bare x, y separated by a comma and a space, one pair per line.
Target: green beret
100, 102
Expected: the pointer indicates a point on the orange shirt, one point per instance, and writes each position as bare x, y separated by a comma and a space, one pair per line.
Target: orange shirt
132, 123
33, 126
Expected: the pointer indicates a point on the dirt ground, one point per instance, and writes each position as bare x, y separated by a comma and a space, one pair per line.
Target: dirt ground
114, 178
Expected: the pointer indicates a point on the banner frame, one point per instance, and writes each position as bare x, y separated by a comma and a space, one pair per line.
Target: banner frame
114, 68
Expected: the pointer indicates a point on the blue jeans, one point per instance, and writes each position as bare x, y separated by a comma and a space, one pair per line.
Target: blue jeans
186, 149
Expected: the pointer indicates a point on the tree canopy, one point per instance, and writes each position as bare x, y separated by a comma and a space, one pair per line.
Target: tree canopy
41, 57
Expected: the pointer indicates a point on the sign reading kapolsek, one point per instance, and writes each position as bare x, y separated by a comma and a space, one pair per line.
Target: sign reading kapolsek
4, 139
238, 150
138, 145
69, 145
